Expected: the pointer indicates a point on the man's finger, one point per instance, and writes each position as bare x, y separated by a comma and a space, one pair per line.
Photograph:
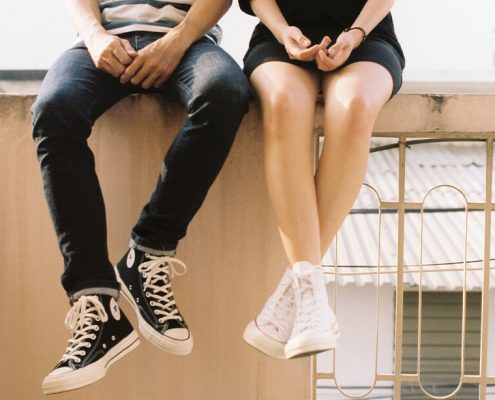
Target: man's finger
159, 82
107, 67
149, 81
140, 75
128, 48
121, 55
131, 70
116, 65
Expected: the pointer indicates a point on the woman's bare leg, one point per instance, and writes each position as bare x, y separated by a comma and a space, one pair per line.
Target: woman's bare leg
353, 98
288, 96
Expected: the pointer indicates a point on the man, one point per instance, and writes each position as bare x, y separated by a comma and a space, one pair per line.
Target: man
131, 46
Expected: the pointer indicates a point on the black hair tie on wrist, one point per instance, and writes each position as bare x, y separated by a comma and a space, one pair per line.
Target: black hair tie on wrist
359, 29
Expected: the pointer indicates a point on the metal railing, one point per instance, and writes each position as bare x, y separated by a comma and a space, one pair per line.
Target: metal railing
397, 377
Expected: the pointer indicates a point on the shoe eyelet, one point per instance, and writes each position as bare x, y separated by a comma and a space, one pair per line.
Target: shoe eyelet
152, 303
97, 318
97, 328
155, 312
104, 345
93, 336
78, 360
113, 338
147, 294
83, 352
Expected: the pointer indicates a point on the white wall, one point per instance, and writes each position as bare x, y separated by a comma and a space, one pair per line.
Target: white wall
438, 36
356, 314
46, 31
447, 39
356, 345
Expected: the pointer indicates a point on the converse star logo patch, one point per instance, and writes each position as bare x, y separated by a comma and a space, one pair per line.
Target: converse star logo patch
130, 258
114, 309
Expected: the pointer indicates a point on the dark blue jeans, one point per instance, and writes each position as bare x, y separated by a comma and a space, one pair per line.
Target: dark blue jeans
207, 82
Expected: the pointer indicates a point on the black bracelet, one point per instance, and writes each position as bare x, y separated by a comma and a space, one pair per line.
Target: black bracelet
359, 29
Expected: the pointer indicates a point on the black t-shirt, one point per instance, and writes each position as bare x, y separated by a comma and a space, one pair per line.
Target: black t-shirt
317, 18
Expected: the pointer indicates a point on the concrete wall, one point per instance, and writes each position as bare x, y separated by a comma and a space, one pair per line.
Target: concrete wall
232, 250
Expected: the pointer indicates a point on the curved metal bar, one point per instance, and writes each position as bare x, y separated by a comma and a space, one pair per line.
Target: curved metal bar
420, 296
378, 275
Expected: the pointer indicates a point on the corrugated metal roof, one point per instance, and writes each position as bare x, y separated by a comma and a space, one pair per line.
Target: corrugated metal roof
427, 165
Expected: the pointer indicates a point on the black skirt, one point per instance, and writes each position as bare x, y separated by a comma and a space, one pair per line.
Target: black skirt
318, 18
372, 50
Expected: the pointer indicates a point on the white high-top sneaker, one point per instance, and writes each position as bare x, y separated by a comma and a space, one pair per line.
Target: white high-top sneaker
315, 327
271, 329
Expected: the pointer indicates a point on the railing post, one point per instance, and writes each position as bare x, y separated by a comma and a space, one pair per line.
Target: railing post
485, 294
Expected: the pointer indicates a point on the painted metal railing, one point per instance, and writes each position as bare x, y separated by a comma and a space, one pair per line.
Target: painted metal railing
397, 377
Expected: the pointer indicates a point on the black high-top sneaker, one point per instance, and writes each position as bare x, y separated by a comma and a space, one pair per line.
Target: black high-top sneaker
100, 335
146, 284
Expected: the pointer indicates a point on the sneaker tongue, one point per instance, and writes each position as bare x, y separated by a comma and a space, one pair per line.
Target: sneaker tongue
303, 267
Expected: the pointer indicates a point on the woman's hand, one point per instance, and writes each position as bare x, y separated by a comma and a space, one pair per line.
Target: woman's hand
335, 56
299, 47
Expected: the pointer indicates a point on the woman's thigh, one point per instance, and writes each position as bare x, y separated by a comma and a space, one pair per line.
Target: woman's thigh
285, 89
357, 90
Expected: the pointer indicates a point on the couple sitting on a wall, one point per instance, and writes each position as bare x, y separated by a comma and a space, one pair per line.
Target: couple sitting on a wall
345, 49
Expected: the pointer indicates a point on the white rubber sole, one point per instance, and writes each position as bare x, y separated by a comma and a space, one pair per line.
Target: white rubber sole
85, 376
170, 345
309, 344
261, 342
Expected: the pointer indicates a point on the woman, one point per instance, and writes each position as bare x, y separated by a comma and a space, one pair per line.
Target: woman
347, 49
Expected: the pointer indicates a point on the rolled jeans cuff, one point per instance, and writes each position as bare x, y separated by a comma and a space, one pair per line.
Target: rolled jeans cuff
150, 250
96, 290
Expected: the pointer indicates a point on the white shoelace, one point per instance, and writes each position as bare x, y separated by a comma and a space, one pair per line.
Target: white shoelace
279, 309
313, 310
81, 320
158, 273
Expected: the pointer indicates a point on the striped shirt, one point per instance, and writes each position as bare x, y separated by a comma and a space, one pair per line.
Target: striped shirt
121, 16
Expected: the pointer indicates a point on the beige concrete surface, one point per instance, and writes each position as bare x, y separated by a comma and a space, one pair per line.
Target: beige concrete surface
232, 250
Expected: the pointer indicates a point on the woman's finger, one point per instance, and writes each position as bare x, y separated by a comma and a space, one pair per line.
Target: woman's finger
325, 42
303, 40
332, 51
309, 54
326, 62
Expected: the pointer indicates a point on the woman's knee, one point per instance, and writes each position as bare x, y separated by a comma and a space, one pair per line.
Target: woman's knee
353, 111
288, 100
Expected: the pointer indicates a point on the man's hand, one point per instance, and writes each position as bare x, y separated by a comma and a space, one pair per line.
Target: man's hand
298, 46
335, 56
111, 53
156, 62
